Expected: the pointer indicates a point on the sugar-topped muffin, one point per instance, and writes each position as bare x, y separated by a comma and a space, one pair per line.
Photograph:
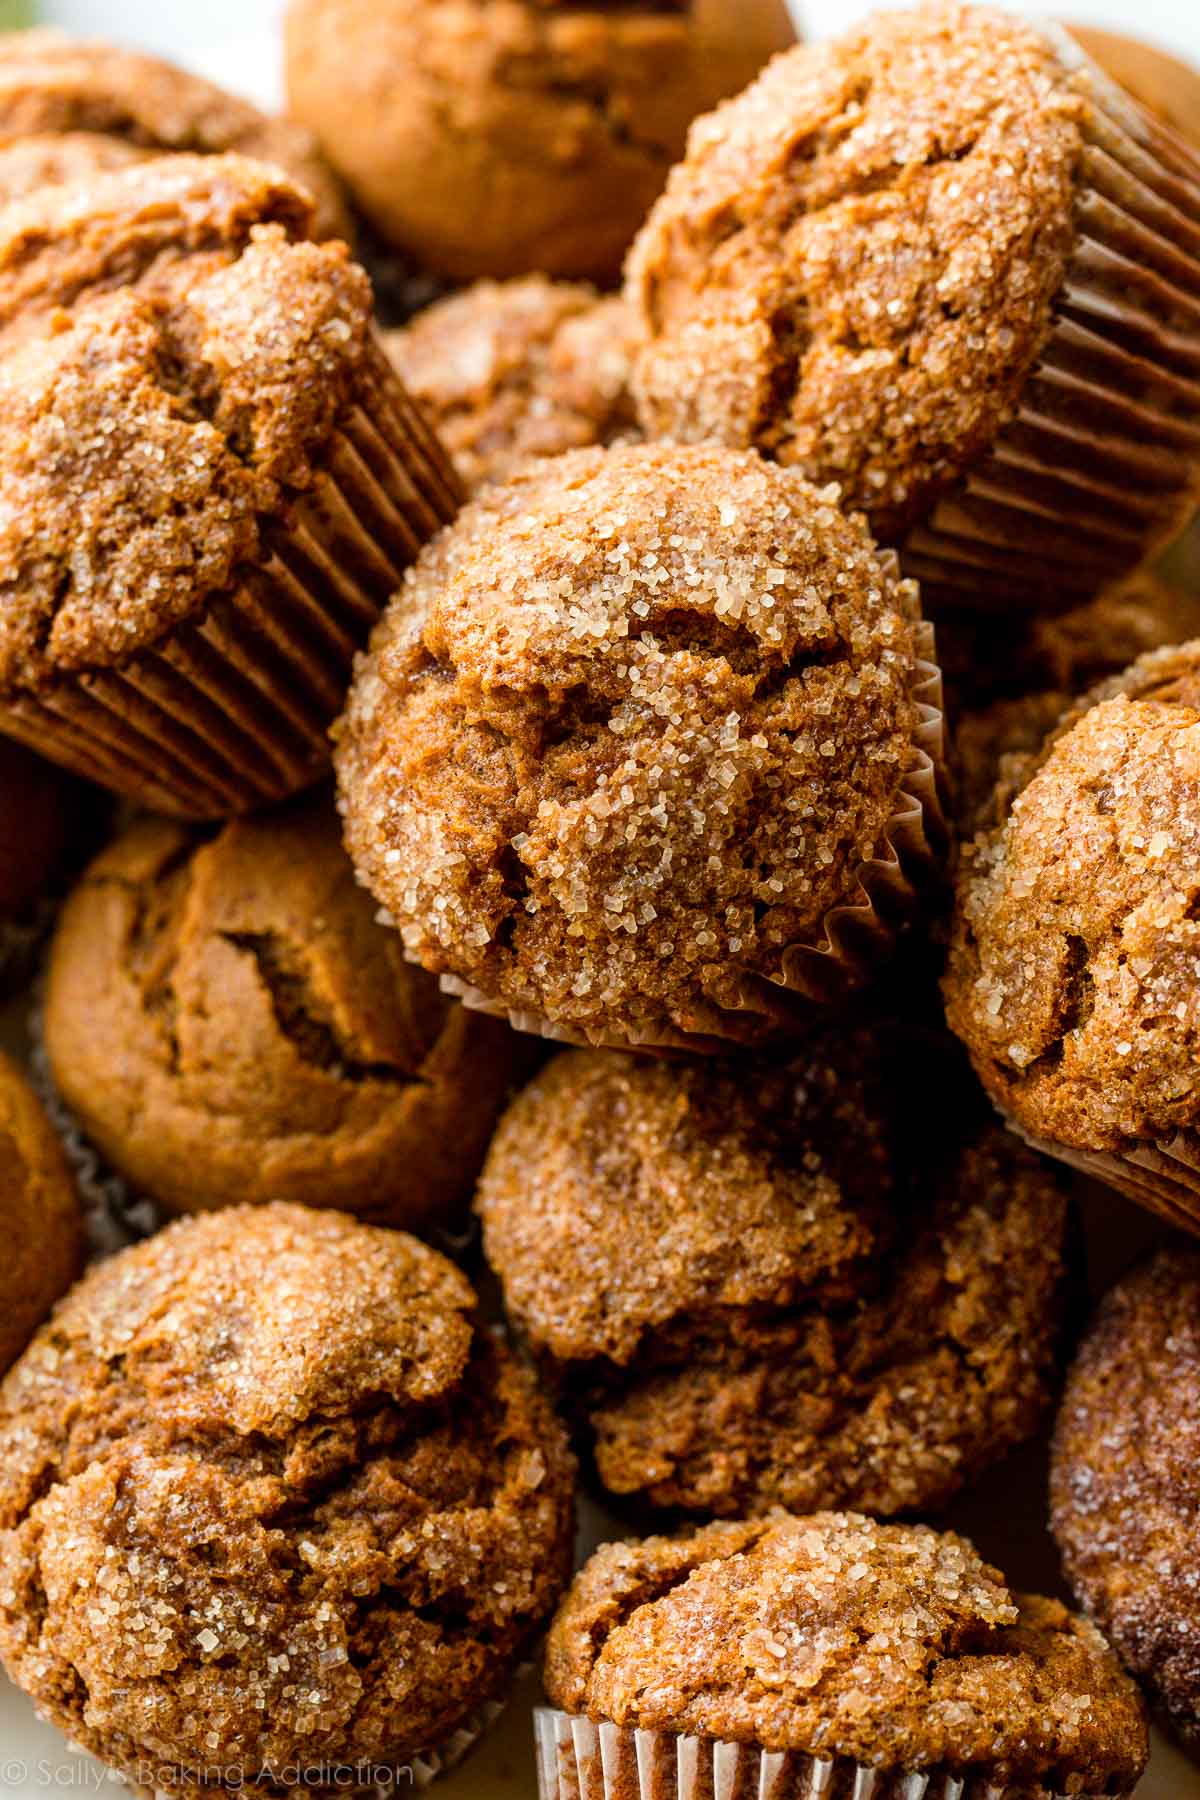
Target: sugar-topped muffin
272, 1497
645, 751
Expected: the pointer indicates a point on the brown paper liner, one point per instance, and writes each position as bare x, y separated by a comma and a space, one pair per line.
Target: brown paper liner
230, 711
855, 937
1100, 466
580, 1760
1164, 1178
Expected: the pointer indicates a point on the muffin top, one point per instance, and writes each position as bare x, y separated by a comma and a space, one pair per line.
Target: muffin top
853, 268
761, 1284
50, 159
52, 84
40, 1217
318, 1511
635, 725
174, 360
229, 1022
1125, 1478
509, 370
1072, 970
836, 1636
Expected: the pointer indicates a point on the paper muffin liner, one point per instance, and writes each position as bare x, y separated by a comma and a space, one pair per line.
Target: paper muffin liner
230, 711
578, 1759
1163, 1177
1097, 469
855, 936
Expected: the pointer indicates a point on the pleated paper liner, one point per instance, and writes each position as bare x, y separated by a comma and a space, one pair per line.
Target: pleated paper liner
855, 938
231, 710
579, 1760
1099, 466
1164, 1177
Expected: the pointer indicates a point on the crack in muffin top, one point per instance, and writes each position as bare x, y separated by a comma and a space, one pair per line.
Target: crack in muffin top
853, 269
630, 731
173, 358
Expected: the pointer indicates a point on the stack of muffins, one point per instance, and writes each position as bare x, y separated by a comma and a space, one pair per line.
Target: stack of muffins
562, 741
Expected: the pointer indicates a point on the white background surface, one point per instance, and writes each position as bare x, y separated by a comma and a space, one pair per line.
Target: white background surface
236, 42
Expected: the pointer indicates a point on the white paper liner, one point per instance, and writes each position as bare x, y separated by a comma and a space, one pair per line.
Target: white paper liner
578, 1759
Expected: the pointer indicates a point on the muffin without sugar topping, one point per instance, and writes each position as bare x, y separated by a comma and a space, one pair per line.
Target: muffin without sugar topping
40, 1217
270, 1495
893, 1645
640, 723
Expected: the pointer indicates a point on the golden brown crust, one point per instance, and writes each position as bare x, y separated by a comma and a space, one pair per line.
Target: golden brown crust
150, 432
317, 1513
498, 137
854, 267
1071, 973
890, 1644
1125, 1478
751, 1293
41, 1223
53, 159
228, 1023
630, 732
51, 84
511, 370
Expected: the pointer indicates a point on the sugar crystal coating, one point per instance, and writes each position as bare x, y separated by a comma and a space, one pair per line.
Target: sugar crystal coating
853, 269
634, 727
831, 1634
270, 1496
1126, 1479
767, 1283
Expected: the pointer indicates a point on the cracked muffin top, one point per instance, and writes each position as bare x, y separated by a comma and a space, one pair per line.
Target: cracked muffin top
269, 1495
853, 269
759, 1284
510, 370
174, 360
41, 1222
1071, 977
832, 1635
504, 137
55, 85
1125, 1478
228, 1023
635, 725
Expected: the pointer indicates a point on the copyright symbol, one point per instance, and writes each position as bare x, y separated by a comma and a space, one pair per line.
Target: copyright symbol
13, 1774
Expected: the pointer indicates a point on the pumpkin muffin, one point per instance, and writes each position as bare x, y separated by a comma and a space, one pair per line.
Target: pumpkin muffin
812, 1653
760, 1284
228, 1023
213, 481
1125, 1482
40, 1216
885, 264
645, 751
511, 370
509, 137
272, 1499
1071, 977
52, 85
50, 159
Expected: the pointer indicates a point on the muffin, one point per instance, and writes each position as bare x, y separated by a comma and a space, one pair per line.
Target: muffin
58, 159
271, 1499
40, 1216
228, 1023
213, 481
1125, 1480
1165, 85
508, 137
48, 823
1071, 976
936, 261
645, 751
510, 370
71, 88
826, 1655
762, 1284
